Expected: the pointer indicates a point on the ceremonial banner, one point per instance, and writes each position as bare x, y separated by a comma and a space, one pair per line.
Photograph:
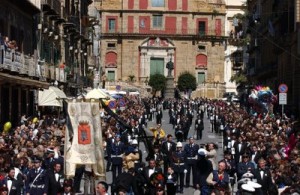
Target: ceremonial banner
85, 145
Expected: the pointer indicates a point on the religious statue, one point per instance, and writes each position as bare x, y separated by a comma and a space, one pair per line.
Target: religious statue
170, 67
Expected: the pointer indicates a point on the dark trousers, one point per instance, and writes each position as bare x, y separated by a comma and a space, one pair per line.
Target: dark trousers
167, 163
77, 178
115, 169
191, 167
180, 178
171, 189
108, 164
199, 134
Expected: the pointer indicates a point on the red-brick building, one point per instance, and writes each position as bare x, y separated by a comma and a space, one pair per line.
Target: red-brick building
138, 37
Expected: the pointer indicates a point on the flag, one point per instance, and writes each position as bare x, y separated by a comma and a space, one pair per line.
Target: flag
85, 147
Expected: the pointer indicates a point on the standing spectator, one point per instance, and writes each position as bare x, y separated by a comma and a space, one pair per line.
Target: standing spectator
148, 171
55, 180
204, 168
171, 181
263, 177
219, 180
240, 147
68, 188
212, 154
14, 186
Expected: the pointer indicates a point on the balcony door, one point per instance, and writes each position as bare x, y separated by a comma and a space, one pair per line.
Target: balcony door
157, 66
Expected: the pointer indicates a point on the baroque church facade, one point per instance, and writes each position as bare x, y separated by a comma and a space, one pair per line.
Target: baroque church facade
139, 37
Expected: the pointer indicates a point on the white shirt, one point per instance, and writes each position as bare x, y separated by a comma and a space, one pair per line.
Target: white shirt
9, 184
56, 176
151, 171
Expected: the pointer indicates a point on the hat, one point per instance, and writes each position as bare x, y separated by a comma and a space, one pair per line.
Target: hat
254, 184
179, 144
49, 150
244, 180
202, 152
247, 175
248, 188
68, 183
134, 142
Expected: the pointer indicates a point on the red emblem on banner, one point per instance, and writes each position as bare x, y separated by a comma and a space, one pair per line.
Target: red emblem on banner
84, 133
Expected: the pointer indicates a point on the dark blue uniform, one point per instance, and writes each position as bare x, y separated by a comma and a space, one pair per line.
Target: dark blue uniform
117, 150
179, 167
191, 151
36, 183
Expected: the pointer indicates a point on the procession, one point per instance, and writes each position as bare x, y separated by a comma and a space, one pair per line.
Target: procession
258, 155
149, 97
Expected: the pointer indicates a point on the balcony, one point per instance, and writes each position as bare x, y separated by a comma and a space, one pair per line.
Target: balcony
191, 35
51, 6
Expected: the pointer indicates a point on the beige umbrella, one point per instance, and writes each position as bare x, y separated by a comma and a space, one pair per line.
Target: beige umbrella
97, 94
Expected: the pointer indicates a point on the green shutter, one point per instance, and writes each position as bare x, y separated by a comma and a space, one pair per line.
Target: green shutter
201, 77
157, 66
110, 75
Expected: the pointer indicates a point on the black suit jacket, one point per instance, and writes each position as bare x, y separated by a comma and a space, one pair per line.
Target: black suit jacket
265, 182
164, 149
257, 156
16, 185
146, 172
55, 187
238, 152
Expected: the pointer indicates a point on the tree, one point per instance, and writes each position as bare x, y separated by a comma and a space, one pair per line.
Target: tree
187, 81
157, 82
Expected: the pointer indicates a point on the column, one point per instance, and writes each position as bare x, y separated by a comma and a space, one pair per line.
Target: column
10, 102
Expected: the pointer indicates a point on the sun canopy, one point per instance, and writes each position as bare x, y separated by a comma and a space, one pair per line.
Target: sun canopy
51, 97
97, 94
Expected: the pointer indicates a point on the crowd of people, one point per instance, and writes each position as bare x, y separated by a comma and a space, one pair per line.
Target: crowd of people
262, 149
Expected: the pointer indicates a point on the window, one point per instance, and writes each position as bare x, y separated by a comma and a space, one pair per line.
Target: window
111, 75
111, 45
201, 47
158, 3
157, 21
111, 25
201, 77
201, 61
202, 28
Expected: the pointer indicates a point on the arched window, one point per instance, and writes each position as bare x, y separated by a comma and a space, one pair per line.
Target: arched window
201, 61
111, 59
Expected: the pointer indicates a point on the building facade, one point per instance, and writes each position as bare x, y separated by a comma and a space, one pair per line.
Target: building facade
42, 43
274, 49
139, 37
234, 50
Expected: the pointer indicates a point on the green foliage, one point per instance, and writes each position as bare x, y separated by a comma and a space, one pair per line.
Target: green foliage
187, 81
239, 78
157, 82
